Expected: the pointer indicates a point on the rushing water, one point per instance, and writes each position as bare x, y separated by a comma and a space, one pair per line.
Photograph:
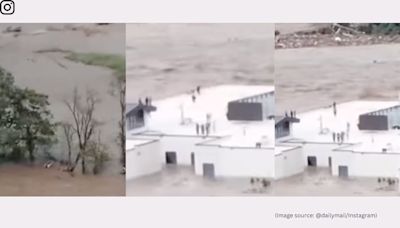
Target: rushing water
52, 74
166, 59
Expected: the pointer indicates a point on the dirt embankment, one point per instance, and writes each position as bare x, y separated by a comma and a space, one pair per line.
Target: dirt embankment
323, 35
313, 76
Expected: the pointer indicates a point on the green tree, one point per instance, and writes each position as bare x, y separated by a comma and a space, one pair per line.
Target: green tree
6, 134
32, 119
25, 113
6, 90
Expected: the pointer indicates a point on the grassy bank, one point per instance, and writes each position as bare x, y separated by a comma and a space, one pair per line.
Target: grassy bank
111, 61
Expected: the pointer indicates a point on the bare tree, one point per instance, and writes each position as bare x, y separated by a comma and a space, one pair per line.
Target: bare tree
69, 136
122, 124
119, 89
84, 124
97, 152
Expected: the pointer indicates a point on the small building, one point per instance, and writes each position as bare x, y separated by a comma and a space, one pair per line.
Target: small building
248, 153
361, 140
136, 115
253, 108
283, 125
380, 120
233, 118
143, 157
288, 161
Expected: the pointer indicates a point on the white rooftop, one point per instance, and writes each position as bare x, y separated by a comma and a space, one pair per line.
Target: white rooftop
178, 115
133, 143
309, 128
279, 149
249, 134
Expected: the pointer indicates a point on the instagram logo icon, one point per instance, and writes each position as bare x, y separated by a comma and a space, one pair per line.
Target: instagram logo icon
7, 7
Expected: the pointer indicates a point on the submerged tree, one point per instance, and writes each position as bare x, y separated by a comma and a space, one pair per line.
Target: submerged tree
7, 88
24, 113
118, 87
84, 124
121, 88
32, 119
97, 152
117, 64
69, 138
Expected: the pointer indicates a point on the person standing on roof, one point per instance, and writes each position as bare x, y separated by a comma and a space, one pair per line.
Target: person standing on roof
342, 136
347, 130
334, 108
338, 138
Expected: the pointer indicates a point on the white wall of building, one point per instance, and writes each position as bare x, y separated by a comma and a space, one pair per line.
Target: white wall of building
236, 162
143, 160
367, 164
183, 146
322, 151
289, 163
342, 159
268, 105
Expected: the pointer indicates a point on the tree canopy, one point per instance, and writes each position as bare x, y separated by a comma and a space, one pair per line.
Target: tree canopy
25, 120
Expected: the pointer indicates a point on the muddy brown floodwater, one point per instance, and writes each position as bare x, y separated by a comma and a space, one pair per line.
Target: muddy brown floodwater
50, 73
167, 59
308, 78
22, 180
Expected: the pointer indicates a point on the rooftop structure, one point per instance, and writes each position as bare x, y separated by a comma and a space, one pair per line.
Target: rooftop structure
319, 125
136, 114
179, 115
357, 138
216, 130
383, 119
283, 125
131, 144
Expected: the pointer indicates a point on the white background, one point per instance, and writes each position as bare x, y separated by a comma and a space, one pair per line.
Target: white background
203, 11
222, 212
196, 212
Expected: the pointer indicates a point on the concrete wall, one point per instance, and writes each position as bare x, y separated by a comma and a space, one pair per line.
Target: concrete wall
268, 105
236, 162
281, 130
394, 118
289, 163
367, 164
183, 146
320, 150
143, 160
138, 130
342, 159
